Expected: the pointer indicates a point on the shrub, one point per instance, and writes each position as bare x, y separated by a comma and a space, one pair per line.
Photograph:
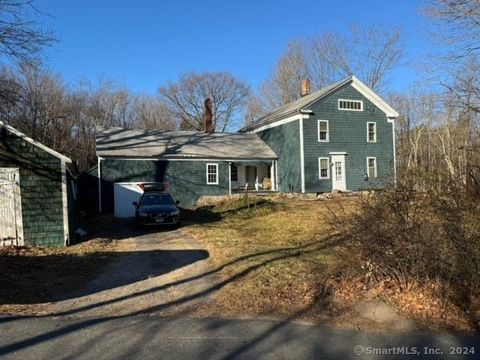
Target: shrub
426, 228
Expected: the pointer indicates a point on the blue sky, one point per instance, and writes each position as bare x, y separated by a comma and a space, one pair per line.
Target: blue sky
146, 43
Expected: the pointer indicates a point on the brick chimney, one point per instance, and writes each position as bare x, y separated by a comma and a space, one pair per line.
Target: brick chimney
306, 87
208, 117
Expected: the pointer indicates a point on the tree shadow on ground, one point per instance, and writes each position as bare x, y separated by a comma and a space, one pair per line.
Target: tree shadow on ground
109, 227
38, 279
276, 331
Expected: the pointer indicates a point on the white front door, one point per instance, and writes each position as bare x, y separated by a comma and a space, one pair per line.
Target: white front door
338, 173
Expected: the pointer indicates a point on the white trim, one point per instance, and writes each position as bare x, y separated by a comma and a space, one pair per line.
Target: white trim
320, 168
273, 178
374, 98
66, 234
392, 121
229, 178
276, 174
318, 131
99, 185
216, 173
34, 142
350, 100
368, 132
280, 122
356, 84
302, 156
184, 159
337, 153
368, 168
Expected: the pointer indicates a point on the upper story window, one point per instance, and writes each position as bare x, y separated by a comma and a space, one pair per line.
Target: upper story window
212, 174
371, 132
323, 131
350, 105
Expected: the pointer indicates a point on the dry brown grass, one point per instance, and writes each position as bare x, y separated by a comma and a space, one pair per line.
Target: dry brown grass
287, 257
278, 252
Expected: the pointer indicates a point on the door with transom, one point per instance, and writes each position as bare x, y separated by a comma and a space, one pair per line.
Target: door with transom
339, 180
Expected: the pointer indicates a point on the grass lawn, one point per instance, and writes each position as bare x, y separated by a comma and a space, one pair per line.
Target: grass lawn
275, 253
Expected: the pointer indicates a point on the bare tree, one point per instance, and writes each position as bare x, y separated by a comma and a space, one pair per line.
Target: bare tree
185, 99
152, 114
21, 38
283, 85
369, 52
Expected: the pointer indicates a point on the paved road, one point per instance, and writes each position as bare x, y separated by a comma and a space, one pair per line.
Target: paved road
153, 337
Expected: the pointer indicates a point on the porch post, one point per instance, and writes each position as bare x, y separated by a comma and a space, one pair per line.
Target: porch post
273, 178
229, 178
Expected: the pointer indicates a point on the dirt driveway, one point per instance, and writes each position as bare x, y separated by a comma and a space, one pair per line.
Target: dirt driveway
158, 271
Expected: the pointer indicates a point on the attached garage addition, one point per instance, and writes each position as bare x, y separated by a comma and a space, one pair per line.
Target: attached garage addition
193, 164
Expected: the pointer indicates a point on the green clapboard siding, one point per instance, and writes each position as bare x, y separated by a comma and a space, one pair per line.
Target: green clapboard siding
348, 133
41, 189
284, 140
187, 179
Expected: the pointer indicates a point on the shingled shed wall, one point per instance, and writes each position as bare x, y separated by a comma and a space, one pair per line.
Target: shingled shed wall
40, 187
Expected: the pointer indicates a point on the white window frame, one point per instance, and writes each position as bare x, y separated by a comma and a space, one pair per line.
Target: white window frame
320, 168
318, 131
368, 168
375, 132
356, 101
216, 173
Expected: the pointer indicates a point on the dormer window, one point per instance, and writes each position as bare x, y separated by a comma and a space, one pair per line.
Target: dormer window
350, 105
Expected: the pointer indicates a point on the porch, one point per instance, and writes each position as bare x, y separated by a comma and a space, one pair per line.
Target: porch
253, 176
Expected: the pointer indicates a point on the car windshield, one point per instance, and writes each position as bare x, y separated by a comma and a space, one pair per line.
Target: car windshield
156, 199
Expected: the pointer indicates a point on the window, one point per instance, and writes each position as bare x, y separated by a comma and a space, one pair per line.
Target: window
324, 168
371, 132
234, 173
350, 105
323, 130
372, 167
212, 174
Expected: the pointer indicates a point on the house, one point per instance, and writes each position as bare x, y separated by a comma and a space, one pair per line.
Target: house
338, 138
191, 164
341, 138
37, 192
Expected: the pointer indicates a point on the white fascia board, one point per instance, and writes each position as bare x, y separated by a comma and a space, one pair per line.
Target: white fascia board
302, 156
66, 234
374, 98
185, 159
34, 142
278, 123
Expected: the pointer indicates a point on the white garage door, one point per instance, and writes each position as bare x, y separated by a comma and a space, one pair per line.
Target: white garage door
124, 195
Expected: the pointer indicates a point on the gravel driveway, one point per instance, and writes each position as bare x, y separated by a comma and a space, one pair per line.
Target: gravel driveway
157, 272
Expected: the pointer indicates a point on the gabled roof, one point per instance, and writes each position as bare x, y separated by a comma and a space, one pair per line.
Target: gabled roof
303, 104
135, 143
34, 142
